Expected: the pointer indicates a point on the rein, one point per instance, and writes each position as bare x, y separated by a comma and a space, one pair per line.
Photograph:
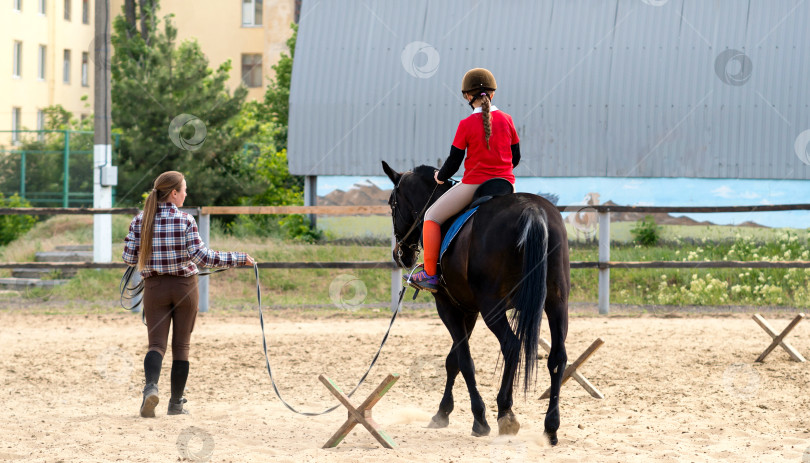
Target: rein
131, 292
419, 218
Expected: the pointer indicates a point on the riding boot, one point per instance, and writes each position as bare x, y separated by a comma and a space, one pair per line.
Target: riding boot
179, 377
431, 241
151, 367
426, 279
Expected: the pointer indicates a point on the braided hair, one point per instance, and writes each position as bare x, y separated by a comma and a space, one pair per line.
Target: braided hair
486, 102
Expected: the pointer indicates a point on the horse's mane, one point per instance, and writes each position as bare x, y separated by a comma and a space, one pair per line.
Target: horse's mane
424, 172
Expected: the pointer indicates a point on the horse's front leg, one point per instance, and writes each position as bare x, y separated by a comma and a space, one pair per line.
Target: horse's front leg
557, 314
460, 327
442, 418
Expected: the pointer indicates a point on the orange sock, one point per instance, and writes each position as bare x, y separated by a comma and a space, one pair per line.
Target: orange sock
431, 241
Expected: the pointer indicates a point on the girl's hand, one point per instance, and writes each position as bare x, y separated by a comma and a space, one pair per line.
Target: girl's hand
249, 262
436, 177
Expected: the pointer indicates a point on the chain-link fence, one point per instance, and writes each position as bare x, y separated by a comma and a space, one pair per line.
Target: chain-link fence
49, 168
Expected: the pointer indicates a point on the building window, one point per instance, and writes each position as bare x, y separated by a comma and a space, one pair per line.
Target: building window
66, 68
17, 5
15, 125
85, 11
41, 62
252, 12
84, 69
40, 124
252, 70
67, 10
16, 64
42, 6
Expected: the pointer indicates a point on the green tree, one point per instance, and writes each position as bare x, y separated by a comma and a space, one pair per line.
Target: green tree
277, 187
155, 81
12, 226
277, 97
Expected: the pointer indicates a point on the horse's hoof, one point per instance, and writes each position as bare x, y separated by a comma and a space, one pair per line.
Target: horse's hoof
508, 424
438, 421
480, 429
552, 437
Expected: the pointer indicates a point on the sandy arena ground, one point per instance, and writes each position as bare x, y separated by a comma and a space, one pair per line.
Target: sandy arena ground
677, 389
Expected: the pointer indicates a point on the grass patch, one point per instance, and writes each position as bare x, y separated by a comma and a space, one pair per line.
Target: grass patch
363, 291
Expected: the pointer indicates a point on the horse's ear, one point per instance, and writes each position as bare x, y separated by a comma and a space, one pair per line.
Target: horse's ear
391, 173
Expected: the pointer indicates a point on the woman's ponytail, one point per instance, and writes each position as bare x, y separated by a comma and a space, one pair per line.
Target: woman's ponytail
147, 229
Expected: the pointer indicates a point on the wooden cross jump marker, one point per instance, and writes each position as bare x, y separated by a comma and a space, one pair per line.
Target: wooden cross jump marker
779, 340
571, 369
361, 414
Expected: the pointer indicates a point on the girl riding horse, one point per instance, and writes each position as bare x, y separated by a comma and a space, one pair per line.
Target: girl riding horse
493, 150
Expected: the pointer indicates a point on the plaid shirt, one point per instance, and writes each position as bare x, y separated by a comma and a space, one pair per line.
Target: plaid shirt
176, 246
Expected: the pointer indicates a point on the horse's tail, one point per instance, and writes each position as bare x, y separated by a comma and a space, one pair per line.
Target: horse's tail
530, 295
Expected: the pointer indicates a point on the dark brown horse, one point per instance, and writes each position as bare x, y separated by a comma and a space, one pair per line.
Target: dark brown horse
512, 254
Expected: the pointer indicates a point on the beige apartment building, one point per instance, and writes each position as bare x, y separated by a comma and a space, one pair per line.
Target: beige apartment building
45, 49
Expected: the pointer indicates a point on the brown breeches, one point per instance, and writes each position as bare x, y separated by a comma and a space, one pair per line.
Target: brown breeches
170, 300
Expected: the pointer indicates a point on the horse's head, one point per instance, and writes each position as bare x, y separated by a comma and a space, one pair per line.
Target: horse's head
414, 191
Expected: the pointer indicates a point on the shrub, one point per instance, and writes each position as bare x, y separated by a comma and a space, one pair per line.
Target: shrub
646, 232
297, 227
12, 226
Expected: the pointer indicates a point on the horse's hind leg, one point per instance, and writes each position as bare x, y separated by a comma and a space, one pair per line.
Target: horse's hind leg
460, 327
507, 422
557, 315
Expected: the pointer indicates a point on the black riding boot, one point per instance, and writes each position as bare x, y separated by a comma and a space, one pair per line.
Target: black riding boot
151, 368
179, 377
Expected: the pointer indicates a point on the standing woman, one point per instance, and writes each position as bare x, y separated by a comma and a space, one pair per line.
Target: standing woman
492, 150
165, 245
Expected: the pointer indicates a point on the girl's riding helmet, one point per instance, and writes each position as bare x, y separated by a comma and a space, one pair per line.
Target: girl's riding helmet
478, 79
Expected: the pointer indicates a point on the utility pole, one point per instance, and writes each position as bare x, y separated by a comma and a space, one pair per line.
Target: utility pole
105, 175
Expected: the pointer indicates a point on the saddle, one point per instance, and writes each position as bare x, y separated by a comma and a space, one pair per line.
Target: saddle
490, 189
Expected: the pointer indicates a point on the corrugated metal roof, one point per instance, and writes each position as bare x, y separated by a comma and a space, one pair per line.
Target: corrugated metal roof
636, 88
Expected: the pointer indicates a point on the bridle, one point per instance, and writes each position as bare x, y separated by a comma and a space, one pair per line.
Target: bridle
418, 217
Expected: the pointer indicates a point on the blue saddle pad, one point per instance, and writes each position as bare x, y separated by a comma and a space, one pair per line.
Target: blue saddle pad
454, 229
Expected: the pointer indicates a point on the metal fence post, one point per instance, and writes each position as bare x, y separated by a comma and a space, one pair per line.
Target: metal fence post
396, 279
66, 164
311, 197
205, 234
604, 256
22, 174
